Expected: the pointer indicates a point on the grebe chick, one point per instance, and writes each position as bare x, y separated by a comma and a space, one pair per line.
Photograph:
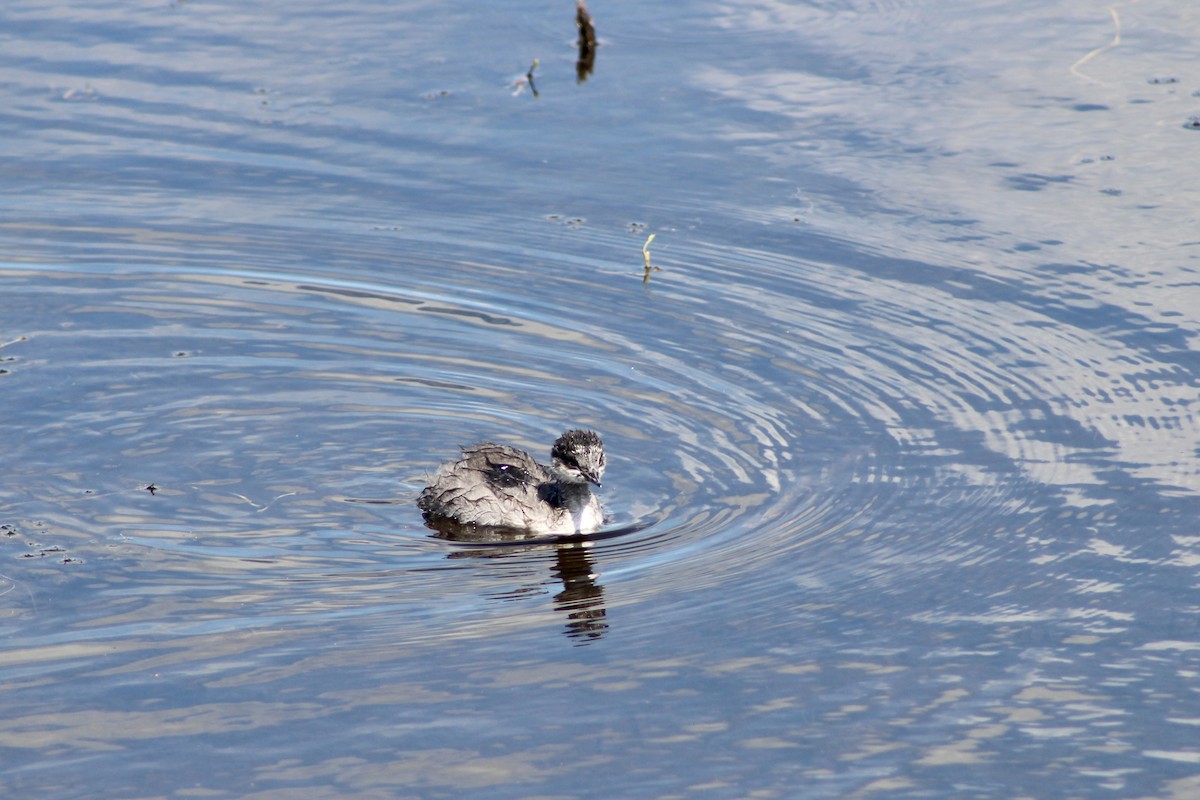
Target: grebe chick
496, 486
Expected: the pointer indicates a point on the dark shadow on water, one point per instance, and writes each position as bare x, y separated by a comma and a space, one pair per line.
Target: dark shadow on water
582, 596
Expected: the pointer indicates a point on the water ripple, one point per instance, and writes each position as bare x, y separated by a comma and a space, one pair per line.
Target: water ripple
764, 414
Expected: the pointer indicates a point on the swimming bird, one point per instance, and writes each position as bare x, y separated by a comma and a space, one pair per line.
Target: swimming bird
497, 486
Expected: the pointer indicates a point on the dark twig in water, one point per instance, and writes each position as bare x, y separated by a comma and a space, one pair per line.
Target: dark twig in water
587, 42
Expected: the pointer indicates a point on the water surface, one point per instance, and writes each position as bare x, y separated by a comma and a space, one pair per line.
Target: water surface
903, 453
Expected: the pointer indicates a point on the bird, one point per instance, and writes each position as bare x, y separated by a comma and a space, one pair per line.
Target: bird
495, 486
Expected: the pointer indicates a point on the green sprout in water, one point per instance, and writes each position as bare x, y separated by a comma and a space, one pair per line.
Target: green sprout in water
518, 85
646, 258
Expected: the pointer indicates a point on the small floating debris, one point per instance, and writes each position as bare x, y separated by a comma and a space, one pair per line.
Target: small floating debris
86, 94
1193, 123
646, 259
151, 489
587, 42
10, 358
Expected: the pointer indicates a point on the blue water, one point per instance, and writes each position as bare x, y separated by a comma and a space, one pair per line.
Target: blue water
903, 444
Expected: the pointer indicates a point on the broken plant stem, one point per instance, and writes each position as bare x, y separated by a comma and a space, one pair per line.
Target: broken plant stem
646, 258
529, 77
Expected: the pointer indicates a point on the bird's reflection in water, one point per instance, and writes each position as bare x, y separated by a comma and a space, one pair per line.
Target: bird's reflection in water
582, 597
